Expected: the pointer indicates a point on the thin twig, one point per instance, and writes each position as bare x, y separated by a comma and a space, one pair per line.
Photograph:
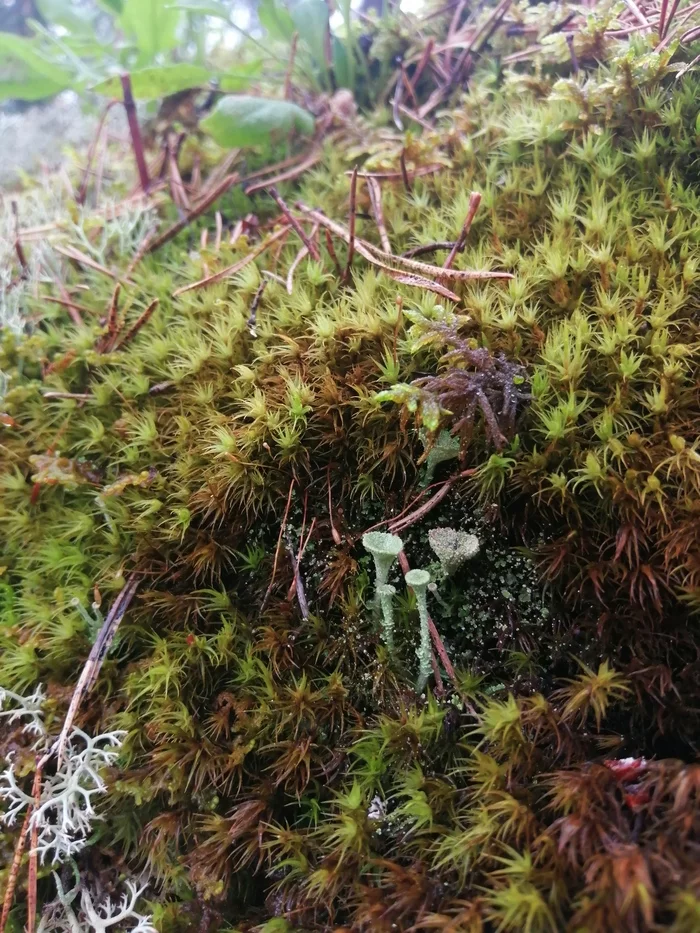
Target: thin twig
237, 266
33, 849
351, 240
375, 197
19, 249
474, 202
279, 201
331, 252
428, 248
82, 190
139, 323
67, 303
398, 176
152, 244
252, 317
404, 171
277, 549
334, 531
83, 259
134, 129
91, 670
14, 869
292, 169
375, 255
111, 332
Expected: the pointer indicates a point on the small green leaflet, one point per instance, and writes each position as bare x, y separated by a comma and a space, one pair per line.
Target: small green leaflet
153, 24
25, 51
158, 81
249, 121
276, 20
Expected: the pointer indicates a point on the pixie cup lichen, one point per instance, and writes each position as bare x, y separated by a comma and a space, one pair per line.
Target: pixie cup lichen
452, 548
386, 593
419, 580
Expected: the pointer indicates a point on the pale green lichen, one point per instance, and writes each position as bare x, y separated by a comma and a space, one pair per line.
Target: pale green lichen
419, 580
384, 548
386, 594
452, 548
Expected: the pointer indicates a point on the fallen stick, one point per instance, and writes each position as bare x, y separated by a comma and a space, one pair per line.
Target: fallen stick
237, 266
375, 196
298, 229
93, 665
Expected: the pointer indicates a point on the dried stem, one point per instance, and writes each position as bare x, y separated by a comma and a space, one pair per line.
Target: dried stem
82, 191
143, 319
252, 317
279, 201
19, 249
14, 869
404, 171
375, 196
134, 129
474, 202
352, 219
151, 245
91, 670
237, 266
428, 248
277, 549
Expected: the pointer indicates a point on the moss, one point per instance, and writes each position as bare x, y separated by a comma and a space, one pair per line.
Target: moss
236, 468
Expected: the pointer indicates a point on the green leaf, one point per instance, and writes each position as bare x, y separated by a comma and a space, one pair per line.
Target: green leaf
249, 121
233, 81
276, 20
26, 51
157, 81
63, 13
204, 8
311, 22
153, 24
112, 6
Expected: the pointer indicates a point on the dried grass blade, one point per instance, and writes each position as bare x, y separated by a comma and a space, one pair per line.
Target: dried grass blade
237, 266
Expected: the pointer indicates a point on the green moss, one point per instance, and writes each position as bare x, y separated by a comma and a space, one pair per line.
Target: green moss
278, 761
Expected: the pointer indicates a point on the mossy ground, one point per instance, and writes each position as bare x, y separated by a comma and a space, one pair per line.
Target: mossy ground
282, 767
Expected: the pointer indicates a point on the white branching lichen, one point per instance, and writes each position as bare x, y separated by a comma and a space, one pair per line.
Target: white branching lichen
24, 707
62, 917
66, 811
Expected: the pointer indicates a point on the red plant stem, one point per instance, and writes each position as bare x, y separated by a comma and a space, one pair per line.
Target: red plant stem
33, 854
14, 870
353, 205
277, 549
331, 251
334, 531
111, 334
424, 59
143, 319
19, 249
134, 129
474, 202
404, 171
279, 201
